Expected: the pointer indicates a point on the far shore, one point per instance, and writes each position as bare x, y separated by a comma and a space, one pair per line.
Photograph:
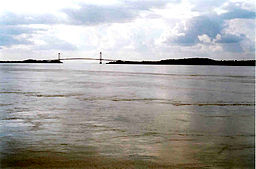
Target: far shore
185, 61
191, 61
33, 61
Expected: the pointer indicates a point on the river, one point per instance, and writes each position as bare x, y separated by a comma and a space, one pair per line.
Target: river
86, 115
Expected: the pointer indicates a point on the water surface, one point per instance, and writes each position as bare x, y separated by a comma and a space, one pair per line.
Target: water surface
126, 116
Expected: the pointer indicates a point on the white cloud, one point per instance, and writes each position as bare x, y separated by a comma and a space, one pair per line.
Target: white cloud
182, 10
204, 38
36, 7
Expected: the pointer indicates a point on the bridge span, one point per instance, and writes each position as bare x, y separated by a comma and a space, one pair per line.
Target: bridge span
87, 59
84, 58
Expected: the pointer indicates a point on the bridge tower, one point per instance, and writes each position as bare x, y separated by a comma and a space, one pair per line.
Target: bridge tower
58, 56
100, 58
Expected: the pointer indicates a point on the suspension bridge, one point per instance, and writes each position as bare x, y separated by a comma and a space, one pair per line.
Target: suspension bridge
82, 58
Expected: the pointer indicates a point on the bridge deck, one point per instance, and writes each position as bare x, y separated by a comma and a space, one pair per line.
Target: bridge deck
87, 59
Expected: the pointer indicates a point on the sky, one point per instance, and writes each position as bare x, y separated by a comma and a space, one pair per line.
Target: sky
127, 29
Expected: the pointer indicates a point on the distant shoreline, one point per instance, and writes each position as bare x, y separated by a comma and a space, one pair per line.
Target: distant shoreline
185, 61
191, 61
33, 61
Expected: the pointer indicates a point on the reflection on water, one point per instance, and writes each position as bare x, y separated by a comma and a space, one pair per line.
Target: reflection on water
126, 116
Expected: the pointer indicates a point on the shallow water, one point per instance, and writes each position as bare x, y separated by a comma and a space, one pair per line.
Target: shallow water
124, 116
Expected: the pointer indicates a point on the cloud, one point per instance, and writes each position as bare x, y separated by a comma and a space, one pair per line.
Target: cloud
134, 27
238, 13
245, 30
53, 43
18, 19
229, 38
189, 33
92, 14
126, 11
204, 38
86, 14
206, 6
14, 35
211, 29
